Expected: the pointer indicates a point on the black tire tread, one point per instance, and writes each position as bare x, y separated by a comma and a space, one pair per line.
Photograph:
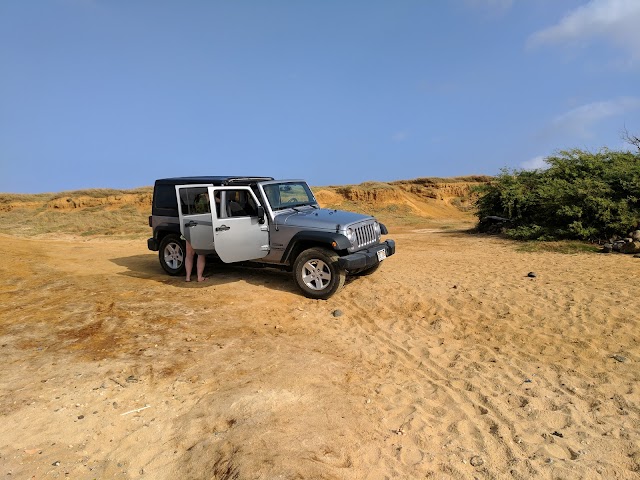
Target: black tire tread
171, 238
338, 274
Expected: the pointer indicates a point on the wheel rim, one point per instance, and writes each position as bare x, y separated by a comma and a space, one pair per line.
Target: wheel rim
173, 256
316, 274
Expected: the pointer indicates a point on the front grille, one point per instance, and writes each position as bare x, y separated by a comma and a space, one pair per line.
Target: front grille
365, 235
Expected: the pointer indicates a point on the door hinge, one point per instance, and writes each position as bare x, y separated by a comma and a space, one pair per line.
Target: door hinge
264, 248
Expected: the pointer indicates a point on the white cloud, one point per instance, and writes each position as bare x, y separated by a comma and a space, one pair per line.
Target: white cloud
616, 21
535, 163
579, 120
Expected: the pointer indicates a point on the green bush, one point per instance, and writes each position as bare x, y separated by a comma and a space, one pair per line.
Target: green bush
582, 195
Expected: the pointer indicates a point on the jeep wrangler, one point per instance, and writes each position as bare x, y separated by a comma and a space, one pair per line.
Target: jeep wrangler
264, 222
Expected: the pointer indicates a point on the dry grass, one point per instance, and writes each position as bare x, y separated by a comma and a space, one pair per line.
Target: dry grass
31, 214
16, 198
127, 222
563, 246
439, 180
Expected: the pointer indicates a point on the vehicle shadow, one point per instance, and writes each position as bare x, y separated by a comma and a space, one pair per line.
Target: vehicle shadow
457, 231
451, 232
147, 267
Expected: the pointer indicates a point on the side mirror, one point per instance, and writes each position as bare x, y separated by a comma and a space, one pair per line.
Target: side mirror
260, 214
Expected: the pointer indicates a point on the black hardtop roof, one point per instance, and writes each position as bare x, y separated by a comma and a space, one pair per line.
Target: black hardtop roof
218, 180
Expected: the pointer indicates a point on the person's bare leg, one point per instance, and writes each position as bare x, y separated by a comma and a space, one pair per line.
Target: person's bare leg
188, 261
202, 260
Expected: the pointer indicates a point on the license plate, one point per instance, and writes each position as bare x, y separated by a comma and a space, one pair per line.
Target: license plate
382, 254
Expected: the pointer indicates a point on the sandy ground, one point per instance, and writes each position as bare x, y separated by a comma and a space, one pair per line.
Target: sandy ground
449, 362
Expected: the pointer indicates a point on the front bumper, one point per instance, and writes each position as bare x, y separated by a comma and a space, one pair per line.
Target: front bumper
367, 258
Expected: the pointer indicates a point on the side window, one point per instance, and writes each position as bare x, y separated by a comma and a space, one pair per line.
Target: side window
165, 197
240, 203
194, 201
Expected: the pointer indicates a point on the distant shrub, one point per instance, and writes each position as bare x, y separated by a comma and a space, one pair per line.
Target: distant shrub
581, 195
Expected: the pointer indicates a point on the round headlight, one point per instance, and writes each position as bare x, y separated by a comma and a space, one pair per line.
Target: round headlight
351, 235
376, 229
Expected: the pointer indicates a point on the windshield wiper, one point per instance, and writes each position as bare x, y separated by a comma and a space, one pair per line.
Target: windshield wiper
294, 206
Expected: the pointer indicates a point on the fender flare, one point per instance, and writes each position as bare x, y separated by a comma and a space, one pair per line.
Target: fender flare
334, 241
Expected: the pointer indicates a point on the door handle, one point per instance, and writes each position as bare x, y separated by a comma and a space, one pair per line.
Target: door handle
222, 228
190, 224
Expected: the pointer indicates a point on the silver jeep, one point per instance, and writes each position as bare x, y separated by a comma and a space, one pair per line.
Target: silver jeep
263, 221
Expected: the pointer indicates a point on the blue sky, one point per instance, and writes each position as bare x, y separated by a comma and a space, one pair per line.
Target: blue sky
114, 94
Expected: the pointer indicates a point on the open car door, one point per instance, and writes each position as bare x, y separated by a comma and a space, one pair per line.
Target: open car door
196, 222
240, 233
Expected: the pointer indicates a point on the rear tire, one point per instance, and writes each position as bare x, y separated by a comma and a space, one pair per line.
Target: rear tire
318, 273
172, 253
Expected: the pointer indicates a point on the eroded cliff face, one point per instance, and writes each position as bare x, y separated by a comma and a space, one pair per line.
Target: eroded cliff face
441, 191
377, 194
434, 199
425, 198
141, 200
9, 206
74, 200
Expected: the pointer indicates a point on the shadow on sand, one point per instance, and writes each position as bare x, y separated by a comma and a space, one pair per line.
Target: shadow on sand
147, 267
452, 232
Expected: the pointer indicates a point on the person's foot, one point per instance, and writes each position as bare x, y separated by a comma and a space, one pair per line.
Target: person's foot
187, 279
203, 279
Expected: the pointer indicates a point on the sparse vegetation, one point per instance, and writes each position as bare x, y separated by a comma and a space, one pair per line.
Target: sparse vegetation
92, 212
16, 198
464, 204
376, 185
124, 222
437, 180
565, 246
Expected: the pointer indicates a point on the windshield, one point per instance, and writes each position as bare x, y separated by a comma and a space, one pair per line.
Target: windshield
288, 195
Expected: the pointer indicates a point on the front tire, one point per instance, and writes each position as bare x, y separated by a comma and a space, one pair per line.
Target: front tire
172, 253
318, 273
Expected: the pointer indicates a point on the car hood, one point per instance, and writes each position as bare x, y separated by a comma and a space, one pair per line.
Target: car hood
319, 218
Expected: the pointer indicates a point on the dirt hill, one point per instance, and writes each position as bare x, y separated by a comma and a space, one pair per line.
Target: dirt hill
421, 201
407, 201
